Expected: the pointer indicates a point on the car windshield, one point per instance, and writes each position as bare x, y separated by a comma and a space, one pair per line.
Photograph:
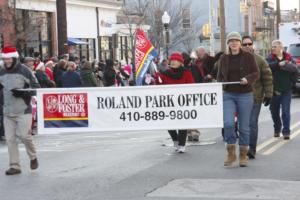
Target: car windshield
294, 50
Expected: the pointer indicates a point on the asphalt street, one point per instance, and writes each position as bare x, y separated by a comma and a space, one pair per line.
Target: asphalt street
143, 165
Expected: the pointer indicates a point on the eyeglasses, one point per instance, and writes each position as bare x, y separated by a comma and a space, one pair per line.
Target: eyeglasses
247, 44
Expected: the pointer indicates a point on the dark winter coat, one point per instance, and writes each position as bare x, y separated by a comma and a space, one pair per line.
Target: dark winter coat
207, 64
247, 69
57, 73
43, 79
71, 79
88, 78
284, 77
198, 73
109, 77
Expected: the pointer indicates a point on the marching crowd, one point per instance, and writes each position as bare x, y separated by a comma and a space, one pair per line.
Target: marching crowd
267, 82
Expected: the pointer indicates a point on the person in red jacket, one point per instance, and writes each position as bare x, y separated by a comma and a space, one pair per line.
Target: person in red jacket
176, 74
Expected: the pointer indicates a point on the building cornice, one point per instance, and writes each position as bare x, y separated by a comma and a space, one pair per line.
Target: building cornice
112, 5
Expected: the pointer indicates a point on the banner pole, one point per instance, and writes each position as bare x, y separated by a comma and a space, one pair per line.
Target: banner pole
231, 83
155, 69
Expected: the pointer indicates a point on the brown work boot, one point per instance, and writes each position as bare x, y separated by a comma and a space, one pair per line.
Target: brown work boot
34, 164
231, 156
243, 156
12, 171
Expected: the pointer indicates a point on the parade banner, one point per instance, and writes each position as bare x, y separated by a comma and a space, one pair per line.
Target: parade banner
144, 55
164, 107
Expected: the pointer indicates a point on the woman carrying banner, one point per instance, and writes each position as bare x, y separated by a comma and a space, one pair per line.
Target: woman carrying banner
176, 74
237, 66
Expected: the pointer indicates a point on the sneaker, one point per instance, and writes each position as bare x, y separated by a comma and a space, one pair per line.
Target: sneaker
181, 149
286, 137
34, 164
175, 145
12, 171
276, 134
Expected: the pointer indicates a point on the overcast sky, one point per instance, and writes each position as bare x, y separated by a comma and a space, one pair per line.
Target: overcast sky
289, 4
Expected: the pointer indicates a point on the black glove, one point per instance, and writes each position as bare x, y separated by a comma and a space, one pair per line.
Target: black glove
17, 93
25, 95
267, 101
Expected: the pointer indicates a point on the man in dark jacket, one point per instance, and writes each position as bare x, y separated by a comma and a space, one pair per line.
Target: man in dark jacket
203, 67
262, 90
17, 109
58, 71
42, 77
284, 72
109, 74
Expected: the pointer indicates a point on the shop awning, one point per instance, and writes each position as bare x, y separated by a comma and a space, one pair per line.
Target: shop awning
75, 41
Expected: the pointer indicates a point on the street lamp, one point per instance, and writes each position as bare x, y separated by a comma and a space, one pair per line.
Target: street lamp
166, 21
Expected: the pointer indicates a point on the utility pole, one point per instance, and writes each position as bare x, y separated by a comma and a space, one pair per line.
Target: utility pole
212, 38
278, 16
222, 25
62, 38
299, 12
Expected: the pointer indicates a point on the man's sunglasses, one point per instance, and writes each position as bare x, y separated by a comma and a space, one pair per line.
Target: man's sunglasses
247, 44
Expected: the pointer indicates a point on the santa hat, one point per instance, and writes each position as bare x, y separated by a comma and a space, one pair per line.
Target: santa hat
176, 56
10, 52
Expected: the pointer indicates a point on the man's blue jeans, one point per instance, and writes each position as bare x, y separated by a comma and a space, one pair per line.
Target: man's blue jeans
242, 104
254, 127
282, 100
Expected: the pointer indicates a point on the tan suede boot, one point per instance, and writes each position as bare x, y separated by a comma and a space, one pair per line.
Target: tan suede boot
231, 156
243, 156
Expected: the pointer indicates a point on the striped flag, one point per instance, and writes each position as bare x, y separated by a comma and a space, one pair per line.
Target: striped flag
144, 55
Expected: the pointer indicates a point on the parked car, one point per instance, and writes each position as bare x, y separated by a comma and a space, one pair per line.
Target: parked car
294, 50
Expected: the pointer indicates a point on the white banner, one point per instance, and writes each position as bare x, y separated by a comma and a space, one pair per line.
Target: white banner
163, 107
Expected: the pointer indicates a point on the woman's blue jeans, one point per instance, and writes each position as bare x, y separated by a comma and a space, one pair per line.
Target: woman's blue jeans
240, 103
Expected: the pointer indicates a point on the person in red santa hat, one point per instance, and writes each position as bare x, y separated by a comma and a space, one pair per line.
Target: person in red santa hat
176, 74
17, 109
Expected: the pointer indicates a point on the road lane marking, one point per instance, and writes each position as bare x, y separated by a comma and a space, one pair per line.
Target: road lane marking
265, 144
295, 125
272, 140
274, 148
280, 144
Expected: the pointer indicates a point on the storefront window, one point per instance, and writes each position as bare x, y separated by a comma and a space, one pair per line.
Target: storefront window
34, 33
105, 48
92, 49
123, 46
86, 51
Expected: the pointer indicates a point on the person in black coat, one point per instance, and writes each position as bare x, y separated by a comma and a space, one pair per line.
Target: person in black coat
203, 67
42, 78
58, 71
109, 74
71, 78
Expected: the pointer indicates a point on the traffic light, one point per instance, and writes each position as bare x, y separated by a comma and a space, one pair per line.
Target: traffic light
206, 30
